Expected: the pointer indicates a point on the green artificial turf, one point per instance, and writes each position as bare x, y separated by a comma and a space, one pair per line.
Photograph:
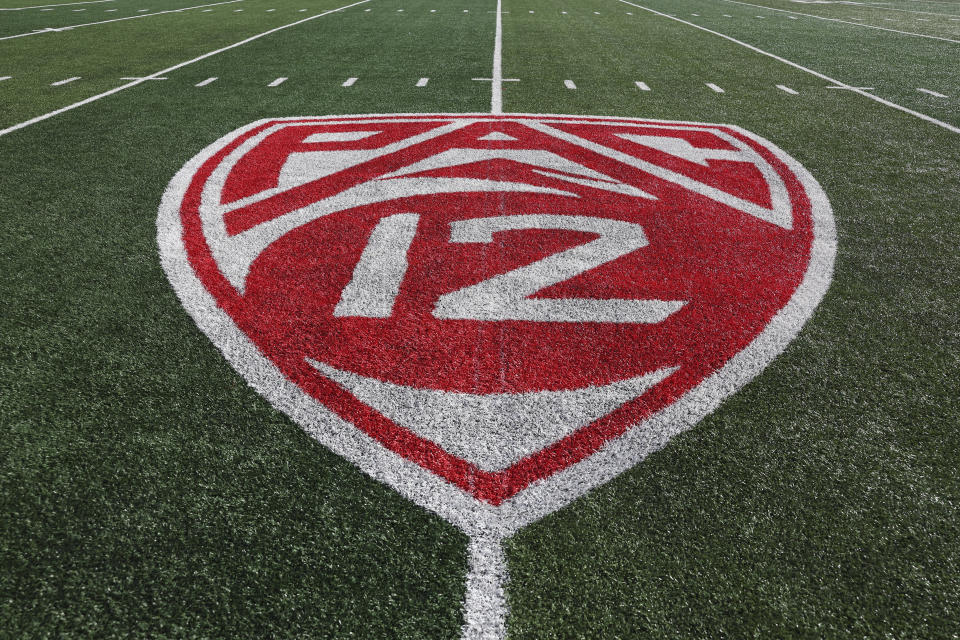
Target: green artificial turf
146, 491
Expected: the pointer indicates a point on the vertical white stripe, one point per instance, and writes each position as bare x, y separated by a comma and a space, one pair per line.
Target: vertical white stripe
496, 84
485, 603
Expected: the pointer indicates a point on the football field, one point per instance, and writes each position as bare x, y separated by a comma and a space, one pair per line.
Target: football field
218, 426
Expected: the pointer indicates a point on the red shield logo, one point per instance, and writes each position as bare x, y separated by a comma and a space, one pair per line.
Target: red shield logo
494, 314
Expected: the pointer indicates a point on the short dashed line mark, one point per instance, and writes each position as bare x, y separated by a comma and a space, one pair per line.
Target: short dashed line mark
204, 83
277, 82
2, 78
715, 87
642, 86
786, 89
569, 84
349, 82
63, 82
422, 82
935, 94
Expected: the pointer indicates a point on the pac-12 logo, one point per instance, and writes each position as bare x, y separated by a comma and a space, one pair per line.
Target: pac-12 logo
495, 314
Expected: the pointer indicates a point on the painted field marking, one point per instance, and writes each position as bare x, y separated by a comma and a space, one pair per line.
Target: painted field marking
60, 83
422, 82
237, 10
862, 92
79, 10
43, 7
90, 24
277, 82
569, 84
715, 87
857, 24
204, 83
144, 78
269, 10
761, 17
564, 12
629, 13
142, 10
787, 89
596, 13
206, 10
642, 86
110, 10
849, 88
792, 17
2, 78
727, 15
134, 83
496, 74
935, 94
349, 82
695, 14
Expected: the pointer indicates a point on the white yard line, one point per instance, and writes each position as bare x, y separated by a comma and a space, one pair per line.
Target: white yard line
856, 24
485, 603
90, 24
928, 13
857, 90
496, 76
162, 72
43, 6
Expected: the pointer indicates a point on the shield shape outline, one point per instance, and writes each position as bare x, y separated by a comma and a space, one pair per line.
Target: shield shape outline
422, 486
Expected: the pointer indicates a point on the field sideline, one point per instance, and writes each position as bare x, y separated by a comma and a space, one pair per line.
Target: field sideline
150, 488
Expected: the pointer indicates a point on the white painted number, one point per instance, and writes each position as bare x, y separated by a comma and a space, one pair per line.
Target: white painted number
383, 264
372, 291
